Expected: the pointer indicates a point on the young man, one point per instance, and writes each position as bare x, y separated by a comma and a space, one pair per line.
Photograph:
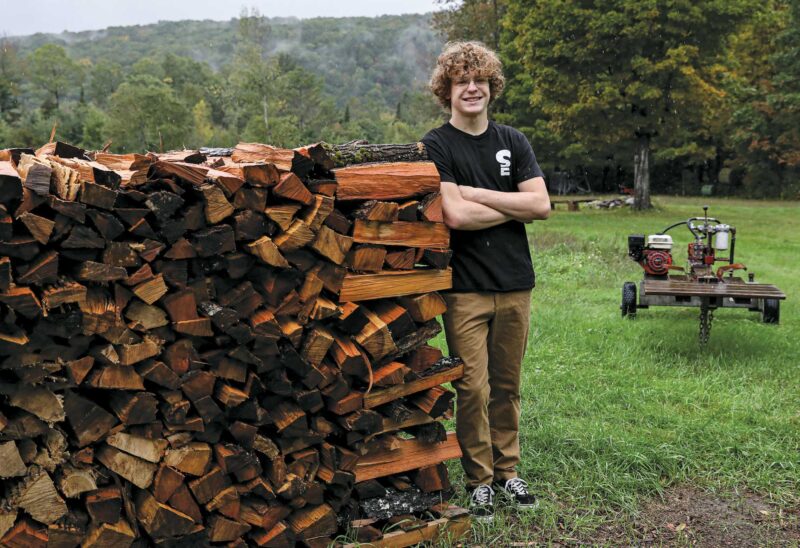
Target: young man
491, 186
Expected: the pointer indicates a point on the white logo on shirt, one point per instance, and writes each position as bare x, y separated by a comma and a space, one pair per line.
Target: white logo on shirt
504, 159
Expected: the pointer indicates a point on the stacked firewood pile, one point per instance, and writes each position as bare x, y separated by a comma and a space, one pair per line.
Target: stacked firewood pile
219, 347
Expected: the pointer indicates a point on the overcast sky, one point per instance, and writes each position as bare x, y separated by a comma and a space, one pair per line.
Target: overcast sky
20, 18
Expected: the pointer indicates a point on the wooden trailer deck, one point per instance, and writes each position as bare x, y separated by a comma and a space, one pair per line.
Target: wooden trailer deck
735, 287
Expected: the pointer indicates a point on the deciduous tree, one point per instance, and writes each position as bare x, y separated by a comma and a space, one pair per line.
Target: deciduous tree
764, 129
52, 70
145, 114
104, 77
10, 76
623, 72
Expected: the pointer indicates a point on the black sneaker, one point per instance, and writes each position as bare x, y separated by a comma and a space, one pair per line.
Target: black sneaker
481, 503
517, 489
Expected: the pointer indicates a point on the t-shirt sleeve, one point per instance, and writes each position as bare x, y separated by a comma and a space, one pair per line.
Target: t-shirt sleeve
442, 160
526, 166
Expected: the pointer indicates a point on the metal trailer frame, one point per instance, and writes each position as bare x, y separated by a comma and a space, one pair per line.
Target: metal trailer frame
728, 292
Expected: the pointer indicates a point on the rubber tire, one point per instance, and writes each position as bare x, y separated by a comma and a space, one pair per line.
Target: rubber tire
772, 311
628, 306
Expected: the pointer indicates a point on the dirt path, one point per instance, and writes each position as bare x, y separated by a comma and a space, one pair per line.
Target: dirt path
687, 516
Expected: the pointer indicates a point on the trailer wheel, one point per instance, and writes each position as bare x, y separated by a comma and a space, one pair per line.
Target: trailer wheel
628, 300
772, 311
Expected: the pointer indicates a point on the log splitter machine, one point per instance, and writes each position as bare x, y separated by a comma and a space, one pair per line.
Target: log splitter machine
700, 286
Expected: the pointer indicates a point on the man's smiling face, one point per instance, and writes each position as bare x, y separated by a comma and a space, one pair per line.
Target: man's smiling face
469, 95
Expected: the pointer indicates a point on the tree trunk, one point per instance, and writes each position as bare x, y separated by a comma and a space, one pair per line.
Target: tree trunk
641, 174
266, 114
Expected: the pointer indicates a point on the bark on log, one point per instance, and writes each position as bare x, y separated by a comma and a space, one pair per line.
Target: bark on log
361, 152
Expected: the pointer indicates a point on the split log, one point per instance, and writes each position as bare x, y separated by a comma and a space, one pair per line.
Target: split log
105, 505
375, 210
110, 534
11, 464
39, 498
401, 259
360, 287
401, 233
160, 520
411, 455
423, 358
137, 471
435, 401
75, 481
388, 181
310, 523
379, 397
366, 258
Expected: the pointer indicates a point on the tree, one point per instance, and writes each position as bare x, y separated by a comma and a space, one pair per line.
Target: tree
299, 94
249, 76
104, 78
625, 73
145, 114
764, 128
94, 128
471, 20
190, 79
52, 70
10, 72
203, 128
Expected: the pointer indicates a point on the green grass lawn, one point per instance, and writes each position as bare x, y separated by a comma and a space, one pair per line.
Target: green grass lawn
614, 410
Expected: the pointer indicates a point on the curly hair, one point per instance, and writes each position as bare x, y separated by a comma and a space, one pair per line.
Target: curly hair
459, 58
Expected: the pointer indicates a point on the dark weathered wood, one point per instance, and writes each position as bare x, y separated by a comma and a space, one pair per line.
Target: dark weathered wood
359, 152
10, 182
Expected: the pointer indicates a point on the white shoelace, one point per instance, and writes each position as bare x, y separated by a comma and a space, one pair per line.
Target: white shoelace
517, 486
482, 495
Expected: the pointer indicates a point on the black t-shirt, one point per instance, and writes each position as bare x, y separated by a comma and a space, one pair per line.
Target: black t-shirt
496, 258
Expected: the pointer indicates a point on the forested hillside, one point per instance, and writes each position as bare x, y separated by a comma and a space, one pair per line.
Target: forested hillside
706, 94
284, 81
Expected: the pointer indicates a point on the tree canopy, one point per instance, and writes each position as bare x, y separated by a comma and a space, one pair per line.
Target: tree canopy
693, 93
286, 82
708, 86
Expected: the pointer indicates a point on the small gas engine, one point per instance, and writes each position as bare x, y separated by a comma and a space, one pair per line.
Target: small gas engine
666, 284
656, 255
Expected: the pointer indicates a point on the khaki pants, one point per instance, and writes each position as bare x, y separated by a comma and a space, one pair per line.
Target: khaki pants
489, 331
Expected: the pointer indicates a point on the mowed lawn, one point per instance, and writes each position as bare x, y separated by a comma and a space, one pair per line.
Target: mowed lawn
616, 411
